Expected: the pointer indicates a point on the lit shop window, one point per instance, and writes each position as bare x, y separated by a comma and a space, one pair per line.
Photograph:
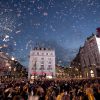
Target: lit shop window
87, 74
92, 73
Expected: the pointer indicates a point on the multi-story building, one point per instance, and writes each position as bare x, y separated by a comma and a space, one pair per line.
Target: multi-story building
11, 68
4, 62
60, 72
42, 63
75, 67
90, 56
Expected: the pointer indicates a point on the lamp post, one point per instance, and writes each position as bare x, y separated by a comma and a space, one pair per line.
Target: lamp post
9, 71
12, 58
70, 72
11, 68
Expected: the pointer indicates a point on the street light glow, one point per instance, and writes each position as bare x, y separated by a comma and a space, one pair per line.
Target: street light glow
9, 67
12, 58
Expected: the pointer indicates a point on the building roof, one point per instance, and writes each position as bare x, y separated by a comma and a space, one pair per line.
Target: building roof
41, 48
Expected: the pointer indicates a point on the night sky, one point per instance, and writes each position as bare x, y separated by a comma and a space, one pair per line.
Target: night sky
60, 24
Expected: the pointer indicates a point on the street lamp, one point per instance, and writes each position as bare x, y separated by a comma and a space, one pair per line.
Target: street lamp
9, 68
9, 71
12, 58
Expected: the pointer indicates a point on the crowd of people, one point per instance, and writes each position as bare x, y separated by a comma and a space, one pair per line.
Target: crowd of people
85, 89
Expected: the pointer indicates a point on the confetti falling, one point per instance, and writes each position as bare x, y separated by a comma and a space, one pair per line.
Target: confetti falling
67, 22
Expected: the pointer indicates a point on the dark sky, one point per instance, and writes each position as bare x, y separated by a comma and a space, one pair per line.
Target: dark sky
66, 23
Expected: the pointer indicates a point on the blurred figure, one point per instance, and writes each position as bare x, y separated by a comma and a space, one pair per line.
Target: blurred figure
33, 98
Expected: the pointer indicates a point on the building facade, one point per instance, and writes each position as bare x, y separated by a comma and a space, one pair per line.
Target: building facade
87, 60
90, 56
41, 63
11, 68
61, 72
4, 63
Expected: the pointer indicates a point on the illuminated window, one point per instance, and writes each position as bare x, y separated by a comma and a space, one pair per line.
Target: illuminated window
92, 73
87, 74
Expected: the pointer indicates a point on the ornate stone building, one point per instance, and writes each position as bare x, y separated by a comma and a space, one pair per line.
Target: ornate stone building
42, 63
88, 57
